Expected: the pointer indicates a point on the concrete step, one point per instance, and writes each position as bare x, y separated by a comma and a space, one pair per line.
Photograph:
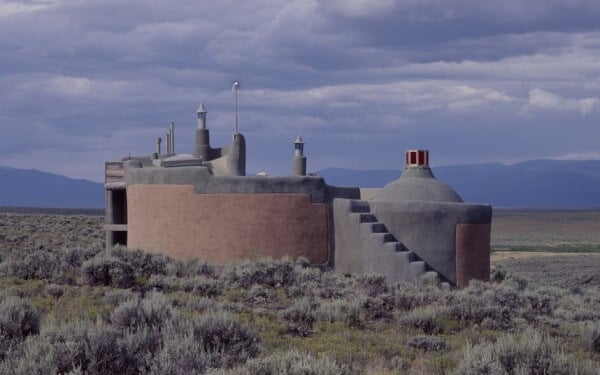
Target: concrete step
378, 227
403, 256
417, 268
359, 206
367, 218
383, 237
395, 247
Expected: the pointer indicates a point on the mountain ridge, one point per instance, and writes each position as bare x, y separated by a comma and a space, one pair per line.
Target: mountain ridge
35, 188
541, 183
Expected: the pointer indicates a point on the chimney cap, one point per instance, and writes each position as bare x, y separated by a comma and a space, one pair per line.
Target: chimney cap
201, 109
417, 158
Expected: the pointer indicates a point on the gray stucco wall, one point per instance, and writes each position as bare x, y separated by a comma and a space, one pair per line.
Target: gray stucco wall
363, 245
429, 228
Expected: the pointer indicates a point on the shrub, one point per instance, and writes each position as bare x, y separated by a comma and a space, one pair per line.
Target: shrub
181, 354
18, 319
57, 350
203, 304
590, 331
191, 268
429, 278
144, 264
266, 272
202, 286
425, 319
164, 283
54, 290
91, 348
410, 296
138, 347
152, 311
300, 317
257, 295
289, 363
378, 308
427, 343
118, 296
339, 311
85, 347
497, 275
227, 341
532, 353
106, 270
34, 264
373, 285
516, 282
73, 258
476, 309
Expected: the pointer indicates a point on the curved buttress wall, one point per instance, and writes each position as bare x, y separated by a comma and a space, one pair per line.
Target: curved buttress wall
220, 228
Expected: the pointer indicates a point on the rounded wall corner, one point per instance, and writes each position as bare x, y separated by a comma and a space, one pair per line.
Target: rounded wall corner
472, 253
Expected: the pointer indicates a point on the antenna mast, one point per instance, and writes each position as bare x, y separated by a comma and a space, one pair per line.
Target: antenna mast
236, 84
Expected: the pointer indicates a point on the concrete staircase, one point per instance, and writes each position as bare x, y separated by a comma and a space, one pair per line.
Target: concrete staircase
364, 245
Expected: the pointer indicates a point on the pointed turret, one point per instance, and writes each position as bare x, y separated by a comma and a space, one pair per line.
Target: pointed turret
202, 148
202, 116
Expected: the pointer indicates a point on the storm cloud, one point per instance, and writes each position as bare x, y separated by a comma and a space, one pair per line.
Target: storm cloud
82, 82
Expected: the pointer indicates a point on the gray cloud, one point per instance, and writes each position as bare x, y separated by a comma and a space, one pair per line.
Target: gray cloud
84, 82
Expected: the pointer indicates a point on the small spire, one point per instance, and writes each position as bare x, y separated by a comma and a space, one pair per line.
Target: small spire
298, 140
202, 109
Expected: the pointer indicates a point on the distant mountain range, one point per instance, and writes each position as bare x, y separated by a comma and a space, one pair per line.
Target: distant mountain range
560, 184
531, 184
33, 188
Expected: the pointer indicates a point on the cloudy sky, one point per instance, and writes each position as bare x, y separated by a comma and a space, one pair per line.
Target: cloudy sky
84, 81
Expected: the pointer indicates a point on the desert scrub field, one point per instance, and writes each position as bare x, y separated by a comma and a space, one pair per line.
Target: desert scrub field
546, 230
46, 231
74, 307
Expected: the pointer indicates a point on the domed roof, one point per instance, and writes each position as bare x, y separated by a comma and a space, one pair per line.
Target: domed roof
417, 184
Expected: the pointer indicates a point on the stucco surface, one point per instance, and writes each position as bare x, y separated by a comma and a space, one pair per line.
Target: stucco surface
417, 184
472, 252
363, 246
429, 228
219, 228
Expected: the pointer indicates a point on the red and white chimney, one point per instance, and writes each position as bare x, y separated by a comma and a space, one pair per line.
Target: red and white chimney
417, 158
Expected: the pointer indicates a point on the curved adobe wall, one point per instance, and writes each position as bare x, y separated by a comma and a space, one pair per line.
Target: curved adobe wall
472, 252
219, 228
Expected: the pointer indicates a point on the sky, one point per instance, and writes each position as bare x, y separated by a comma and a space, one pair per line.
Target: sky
86, 81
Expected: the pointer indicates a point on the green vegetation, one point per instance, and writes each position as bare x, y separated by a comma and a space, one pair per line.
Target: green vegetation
78, 308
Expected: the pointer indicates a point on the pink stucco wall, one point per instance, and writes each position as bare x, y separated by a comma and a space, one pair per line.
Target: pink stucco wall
219, 228
472, 253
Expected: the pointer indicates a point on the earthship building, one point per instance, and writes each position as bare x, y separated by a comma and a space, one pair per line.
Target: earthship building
203, 205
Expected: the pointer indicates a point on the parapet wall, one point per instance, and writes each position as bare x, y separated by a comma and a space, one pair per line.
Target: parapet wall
219, 228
